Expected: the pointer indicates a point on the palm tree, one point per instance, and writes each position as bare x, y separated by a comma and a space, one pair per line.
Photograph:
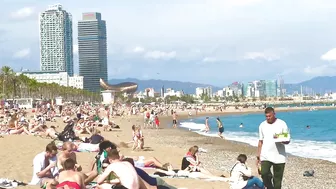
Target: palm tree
6, 73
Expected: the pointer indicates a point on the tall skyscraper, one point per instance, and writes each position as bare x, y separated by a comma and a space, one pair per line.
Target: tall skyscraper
92, 50
281, 86
271, 88
56, 40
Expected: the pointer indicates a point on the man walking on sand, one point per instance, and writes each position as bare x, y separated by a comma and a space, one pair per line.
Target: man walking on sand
270, 152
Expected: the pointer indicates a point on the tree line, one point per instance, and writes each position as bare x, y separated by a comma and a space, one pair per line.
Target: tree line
20, 86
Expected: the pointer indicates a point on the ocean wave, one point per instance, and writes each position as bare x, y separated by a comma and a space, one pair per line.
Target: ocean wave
325, 150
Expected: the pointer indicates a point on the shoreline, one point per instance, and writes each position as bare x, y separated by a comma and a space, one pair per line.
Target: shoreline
221, 155
185, 117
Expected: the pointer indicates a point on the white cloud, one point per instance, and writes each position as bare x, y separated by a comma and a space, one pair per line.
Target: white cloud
160, 55
268, 56
209, 59
138, 49
23, 13
330, 55
75, 49
324, 69
22, 53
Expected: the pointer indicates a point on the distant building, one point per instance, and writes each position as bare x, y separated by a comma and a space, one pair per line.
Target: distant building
237, 89
199, 92
271, 88
248, 89
281, 91
259, 88
208, 91
92, 50
56, 46
172, 92
60, 78
162, 91
220, 93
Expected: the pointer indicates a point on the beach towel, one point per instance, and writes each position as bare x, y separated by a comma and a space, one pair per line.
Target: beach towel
82, 147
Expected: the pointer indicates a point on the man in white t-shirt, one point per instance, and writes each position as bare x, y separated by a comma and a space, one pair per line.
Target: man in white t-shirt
45, 170
270, 152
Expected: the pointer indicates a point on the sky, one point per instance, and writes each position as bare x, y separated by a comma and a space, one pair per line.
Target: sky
206, 41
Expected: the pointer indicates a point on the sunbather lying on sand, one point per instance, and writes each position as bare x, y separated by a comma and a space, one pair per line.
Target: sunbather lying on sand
51, 132
141, 161
168, 170
159, 182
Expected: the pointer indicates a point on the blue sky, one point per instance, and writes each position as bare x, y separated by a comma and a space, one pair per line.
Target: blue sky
207, 41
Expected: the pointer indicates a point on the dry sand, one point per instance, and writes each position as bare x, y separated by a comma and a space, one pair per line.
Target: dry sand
168, 145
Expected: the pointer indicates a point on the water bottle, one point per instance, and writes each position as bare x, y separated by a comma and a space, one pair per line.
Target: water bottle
259, 169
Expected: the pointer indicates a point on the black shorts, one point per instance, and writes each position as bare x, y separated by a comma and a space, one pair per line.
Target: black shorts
221, 130
79, 116
174, 122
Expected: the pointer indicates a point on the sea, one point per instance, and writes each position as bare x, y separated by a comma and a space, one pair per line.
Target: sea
318, 141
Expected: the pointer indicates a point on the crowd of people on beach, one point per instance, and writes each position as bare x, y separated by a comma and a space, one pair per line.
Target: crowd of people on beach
110, 168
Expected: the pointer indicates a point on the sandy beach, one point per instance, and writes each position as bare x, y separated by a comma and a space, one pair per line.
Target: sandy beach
170, 145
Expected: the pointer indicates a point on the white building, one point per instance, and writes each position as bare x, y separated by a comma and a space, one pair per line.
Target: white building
208, 91
172, 92
60, 78
220, 93
76, 81
199, 92
56, 50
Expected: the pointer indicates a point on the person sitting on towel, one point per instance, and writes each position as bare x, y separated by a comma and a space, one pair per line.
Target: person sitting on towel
69, 177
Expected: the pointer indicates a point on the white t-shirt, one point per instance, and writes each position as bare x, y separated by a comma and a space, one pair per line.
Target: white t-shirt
105, 121
236, 179
272, 151
39, 165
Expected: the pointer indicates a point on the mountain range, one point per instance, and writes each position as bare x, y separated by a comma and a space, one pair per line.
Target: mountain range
317, 85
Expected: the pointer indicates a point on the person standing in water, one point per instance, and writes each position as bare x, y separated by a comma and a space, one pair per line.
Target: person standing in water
174, 119
207, 124
220, 127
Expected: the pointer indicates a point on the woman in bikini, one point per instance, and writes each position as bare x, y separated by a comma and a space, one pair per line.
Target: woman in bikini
138, 138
